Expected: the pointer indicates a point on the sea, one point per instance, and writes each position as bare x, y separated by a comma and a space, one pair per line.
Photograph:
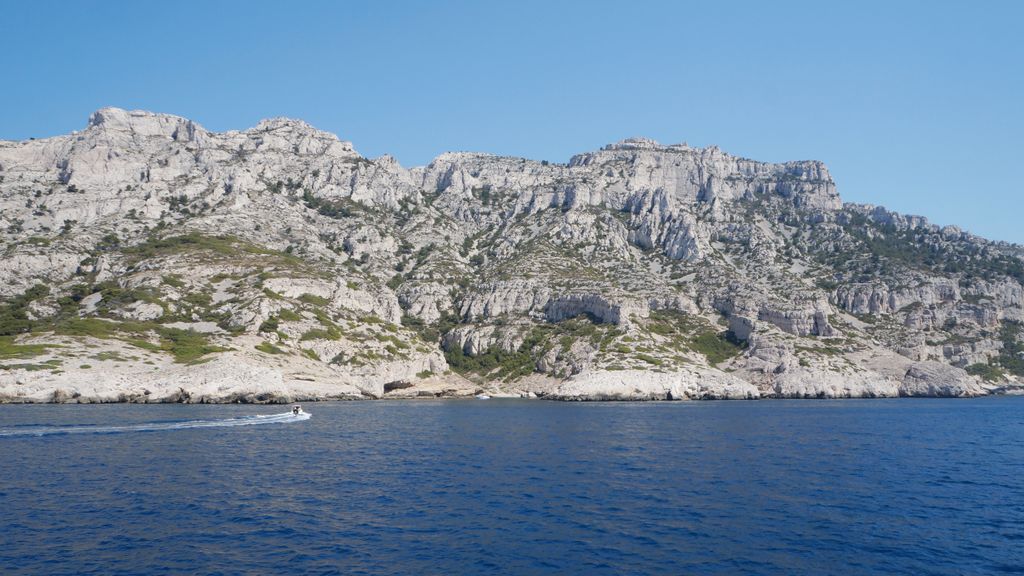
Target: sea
894, 486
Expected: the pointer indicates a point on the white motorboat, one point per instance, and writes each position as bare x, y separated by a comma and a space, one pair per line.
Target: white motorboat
297, 410
482, 397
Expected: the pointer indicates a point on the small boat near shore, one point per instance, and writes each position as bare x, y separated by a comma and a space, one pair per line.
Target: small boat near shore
482, 397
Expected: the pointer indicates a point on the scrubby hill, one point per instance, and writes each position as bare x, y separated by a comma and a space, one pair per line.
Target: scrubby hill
147, 259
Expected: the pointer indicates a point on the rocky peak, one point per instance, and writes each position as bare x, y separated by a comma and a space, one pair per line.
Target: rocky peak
448, 158
692, 175
291, 135
639, 143
144, 124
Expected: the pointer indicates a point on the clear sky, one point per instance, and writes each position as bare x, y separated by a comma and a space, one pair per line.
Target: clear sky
916, 105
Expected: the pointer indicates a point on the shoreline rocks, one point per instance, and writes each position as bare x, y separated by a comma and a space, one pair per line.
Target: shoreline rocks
233, 378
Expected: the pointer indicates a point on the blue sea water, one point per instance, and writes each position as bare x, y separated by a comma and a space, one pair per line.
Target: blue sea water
516, 487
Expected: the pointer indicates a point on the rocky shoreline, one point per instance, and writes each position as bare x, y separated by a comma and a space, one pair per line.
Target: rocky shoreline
238, 377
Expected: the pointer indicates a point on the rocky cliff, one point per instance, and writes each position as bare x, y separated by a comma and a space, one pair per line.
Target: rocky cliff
148, 259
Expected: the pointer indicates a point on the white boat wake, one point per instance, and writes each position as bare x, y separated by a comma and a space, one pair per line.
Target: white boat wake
258, 419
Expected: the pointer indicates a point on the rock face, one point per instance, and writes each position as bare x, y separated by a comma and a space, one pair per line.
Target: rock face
278, 263
595, 305
696, 384
228, 377
936, 379
804, 383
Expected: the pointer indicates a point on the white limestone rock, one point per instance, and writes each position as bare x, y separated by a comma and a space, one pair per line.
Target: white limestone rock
802, 382
23, 269
937, 379
693, 384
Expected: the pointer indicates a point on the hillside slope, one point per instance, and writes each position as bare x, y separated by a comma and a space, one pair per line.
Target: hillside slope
147, 259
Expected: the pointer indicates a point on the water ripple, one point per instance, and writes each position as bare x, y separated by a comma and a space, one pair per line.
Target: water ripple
773, 487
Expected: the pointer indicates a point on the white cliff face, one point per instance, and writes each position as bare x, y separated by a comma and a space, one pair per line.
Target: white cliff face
937, 379
810, 383
695, 384
638, 271
612, 311
881, 298
689, 175
99, 377
427, 302
27, 265
504, 298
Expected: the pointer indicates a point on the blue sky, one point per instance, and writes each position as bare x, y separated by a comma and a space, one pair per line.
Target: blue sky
914, 105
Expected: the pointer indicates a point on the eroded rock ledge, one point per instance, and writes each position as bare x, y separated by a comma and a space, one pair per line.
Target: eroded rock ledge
235, 379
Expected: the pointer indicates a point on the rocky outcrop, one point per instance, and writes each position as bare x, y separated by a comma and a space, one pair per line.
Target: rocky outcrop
427, 302
881, 299
695, 384
595, 305
937, 379
692, 175
226, 378
500, 298
474, 341
801, 317
371, 380
24, 267
819, 383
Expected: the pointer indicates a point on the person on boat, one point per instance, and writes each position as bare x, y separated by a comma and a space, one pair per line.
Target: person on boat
296, 409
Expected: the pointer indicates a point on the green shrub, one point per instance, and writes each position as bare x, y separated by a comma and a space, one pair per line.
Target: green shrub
338, 209
493, 363
314, 300
331, 333
173, 280
648, 358
14, 315
9, 350
268, 348
499, 364
186, 345
716, 347
430, 333
269, 325
987, 372
826, 284
394, 341
1011, 358
90, 327
396, 281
